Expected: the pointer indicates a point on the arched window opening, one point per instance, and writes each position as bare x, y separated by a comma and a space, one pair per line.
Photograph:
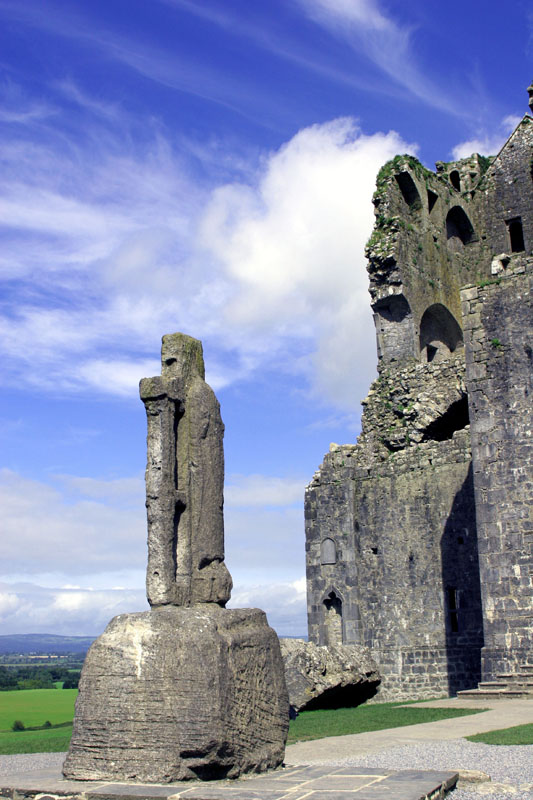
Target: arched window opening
333, 621
455, 180
409, 191
328, 552
440, 333
516, 234
432, 199
459, 230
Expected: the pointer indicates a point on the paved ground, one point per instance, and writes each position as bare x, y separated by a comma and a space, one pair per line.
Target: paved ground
292, 783
501, 714
318, 780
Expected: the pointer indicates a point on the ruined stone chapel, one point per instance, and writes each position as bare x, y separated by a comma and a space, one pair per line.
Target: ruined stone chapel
419, 538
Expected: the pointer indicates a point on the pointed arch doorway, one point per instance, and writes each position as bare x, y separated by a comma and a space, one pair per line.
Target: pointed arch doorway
333, 628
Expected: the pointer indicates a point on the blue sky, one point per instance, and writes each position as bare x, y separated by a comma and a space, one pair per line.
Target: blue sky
204, 166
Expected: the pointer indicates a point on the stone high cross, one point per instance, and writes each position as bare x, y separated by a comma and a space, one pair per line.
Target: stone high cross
184, 481
188, 689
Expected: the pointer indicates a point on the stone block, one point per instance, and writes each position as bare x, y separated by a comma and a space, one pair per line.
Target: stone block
325, 677
178, 693
469, 293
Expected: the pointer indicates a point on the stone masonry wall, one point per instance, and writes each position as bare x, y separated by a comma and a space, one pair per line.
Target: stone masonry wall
394, 558
499, 346
508, 189
405, 536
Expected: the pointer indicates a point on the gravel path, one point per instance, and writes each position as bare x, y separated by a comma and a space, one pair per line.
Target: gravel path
511, 768
30, 761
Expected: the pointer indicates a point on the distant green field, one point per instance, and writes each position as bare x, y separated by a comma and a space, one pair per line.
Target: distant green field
35, 707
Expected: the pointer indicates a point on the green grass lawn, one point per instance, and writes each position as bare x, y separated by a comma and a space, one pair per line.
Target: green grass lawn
53, 740
519, 734
34, 707
374, 717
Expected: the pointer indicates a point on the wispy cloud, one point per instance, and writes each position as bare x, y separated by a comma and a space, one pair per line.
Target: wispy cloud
18, 108
167, 66
263, 490
74, 610
386, 43
70, 528
369, 31
24, 116
109, 244
72, 92
30, 608
194, 77
363, 13
275, 41
487, 143
93, 530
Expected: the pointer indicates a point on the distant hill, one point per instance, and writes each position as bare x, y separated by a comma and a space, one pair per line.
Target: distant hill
49, 643
42, 643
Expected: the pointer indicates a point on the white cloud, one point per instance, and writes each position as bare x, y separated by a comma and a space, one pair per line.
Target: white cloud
487, 144
86, 534
293, 246
71, 601
31, 608
114, 246
263, 490
65, 611
45, 530
388, 44
8, 604
81, 527
119, 377
359, 12
284, 604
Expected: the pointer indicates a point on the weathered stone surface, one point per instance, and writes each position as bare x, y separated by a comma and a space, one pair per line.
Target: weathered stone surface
184, 481
178, 693
327, 677
189, 689
472, 776
500, 395
419, 538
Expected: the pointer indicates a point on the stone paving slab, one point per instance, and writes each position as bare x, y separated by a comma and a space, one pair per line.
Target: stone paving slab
293, 783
